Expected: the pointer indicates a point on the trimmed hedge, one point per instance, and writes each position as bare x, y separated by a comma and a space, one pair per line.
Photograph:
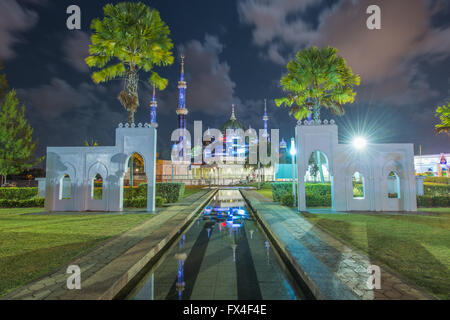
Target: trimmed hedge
287, 200
25, 203
441, 180
172, 192
14, 193
141, 202
317, 194
436, 189
433, 201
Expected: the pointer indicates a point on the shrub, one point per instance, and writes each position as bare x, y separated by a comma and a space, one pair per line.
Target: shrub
18, 193
279, 189
433, 201
441, 180
172, 192
287, 200
25, 203
141, 202
314, 200
436, 189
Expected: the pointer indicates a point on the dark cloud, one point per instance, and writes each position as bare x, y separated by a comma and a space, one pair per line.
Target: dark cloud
76, 49
58, 97
209, 86
387, 59
14, 19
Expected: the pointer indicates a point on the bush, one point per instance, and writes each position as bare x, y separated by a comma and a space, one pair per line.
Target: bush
279, 189
141, 202
441, 180
172, 192
436, 189
433, 201
25, 203
18, 193
287, 200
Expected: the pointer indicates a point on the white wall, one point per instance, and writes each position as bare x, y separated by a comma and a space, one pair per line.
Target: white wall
374, 162
82, 164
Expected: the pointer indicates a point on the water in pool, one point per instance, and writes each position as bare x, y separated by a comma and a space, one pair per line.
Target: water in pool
222, 255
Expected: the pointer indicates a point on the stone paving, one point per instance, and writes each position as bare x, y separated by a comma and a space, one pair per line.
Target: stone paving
330, 268
102, 267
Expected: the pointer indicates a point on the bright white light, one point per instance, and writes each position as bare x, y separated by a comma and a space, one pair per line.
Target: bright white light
359, 143
292, 151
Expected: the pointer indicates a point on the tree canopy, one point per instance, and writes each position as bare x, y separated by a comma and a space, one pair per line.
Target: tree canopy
4, 87
16, 138
443, 113
317, 78
130, 38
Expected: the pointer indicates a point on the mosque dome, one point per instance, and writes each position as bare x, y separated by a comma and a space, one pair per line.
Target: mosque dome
233, 123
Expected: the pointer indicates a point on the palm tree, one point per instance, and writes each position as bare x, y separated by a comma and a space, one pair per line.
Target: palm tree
131, 37
444, 115
317, 78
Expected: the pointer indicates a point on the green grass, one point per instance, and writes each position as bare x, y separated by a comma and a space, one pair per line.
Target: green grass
34, 245
415, 246
190, 190
266, 190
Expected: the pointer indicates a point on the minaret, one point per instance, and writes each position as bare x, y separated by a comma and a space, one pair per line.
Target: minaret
153, 106
265, 118
182, 111
233, 117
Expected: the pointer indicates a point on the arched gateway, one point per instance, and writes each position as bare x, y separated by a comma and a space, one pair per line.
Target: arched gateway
86, 164
385, 178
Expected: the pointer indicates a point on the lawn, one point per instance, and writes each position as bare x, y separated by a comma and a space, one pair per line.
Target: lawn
190, 190
415, 246
34, 245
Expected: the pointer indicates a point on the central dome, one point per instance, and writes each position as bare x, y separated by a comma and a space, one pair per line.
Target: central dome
233, 123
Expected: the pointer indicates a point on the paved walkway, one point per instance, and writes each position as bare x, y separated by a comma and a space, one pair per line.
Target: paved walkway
331, 269
108, 268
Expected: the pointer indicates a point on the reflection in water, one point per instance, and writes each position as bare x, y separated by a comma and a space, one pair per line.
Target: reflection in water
217, 258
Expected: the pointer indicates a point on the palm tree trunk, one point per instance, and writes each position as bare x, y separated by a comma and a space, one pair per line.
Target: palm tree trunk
131, 117
316, 111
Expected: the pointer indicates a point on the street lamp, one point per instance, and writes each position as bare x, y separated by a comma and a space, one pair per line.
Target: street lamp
293, 152
359, 143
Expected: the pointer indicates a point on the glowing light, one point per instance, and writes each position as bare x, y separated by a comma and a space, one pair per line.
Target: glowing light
292, 151
359, 142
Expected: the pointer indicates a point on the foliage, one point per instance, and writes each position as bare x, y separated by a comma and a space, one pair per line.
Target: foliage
92, 143
317, 78
287, 200
141, 202
436, 189
317, 194
18, 193
443, 180
24, 203
130, 38
16, 138
4, 87
172, 192
443, 113
433, 201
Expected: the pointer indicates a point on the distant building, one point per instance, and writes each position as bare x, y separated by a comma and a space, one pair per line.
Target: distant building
432, 164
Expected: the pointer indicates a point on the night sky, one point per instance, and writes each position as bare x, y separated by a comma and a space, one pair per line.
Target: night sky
236, 52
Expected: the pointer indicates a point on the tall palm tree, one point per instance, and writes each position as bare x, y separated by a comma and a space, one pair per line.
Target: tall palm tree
131, 37
317, 78
444, 115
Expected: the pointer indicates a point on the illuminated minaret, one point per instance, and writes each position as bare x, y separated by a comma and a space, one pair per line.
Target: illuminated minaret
153, 106
265, 118
182, 111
